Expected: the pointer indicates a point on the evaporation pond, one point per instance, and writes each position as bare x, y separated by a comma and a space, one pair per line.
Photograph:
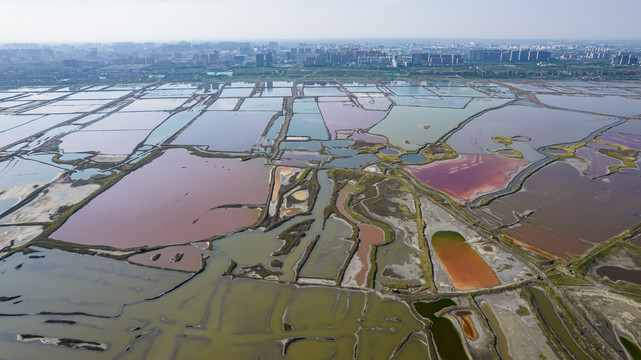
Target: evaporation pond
611, 105
154, 105
346, 116
129, 121
28, 129
306, 105
17, 173
409, 127
463, 265
469, 176
121, 142
224, 104
264, 104
177, 198
234, 131
600, 208
532, 127
60, 282
310, 125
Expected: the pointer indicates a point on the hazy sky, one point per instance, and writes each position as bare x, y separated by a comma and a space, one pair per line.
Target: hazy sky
174, 20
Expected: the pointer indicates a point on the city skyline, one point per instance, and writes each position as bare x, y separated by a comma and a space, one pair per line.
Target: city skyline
69, 21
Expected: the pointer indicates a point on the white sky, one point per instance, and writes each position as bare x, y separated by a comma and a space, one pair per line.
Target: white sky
214, 20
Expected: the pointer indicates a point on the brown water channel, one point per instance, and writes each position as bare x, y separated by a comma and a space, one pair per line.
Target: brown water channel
175, 199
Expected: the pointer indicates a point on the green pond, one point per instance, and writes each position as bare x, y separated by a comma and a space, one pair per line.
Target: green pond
549, 315
633, 350
446, 337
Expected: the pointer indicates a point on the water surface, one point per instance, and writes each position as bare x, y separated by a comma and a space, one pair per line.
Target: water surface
172, 200
234, 131
464, 266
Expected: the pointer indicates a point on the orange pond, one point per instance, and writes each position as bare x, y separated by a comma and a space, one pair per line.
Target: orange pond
467, 324
463, 265
177, 198
368, 235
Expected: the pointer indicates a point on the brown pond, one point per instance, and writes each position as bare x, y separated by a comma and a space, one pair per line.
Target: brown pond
467, 325
368, 235
548, 240
463, 265
175, 199
568, 203
528, 247
183, 258
615, 273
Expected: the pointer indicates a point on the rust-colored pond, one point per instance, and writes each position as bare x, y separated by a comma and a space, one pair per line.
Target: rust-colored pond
467, 325
177, 198
469, 176
463, 265
549, 240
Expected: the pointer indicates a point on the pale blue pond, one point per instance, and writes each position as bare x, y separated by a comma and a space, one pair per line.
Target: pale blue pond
322, 91
301, 145
432, 101
274, 131
411, 91
412, 158
262, 104
172, 125
306, 106
353, 162
389, 151
310, 125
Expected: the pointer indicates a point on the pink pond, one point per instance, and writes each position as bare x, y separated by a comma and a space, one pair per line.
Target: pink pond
122, 142
129, 121
347, 116
596, 164
469, 176
177, 198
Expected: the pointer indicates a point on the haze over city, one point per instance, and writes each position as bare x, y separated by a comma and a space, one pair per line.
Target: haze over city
61, 21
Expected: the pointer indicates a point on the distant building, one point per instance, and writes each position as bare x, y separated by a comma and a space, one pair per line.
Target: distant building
625, 58
522, 55
436, 59
260, 60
